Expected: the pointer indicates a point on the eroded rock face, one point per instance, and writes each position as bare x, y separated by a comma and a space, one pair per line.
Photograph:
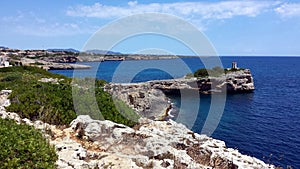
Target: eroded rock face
145, 100
237, 81
149, 99
89, 143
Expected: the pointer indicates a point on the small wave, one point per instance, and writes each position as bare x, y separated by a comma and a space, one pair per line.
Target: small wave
170, 113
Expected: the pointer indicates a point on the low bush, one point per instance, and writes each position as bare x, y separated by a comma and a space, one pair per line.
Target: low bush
201, 73
24, 147
214, 72
53, 103
99, 104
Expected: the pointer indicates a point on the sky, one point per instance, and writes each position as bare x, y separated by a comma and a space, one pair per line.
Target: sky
234, 28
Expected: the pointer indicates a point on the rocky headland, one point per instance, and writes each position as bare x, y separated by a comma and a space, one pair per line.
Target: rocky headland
89, 143
150, 99
47, 65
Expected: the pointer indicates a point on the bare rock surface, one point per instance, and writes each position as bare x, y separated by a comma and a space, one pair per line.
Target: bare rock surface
142, 97
50, 80
90, 144
49, 64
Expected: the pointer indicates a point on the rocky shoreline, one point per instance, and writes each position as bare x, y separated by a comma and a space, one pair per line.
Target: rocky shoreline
47, 65
91, 143
150, 99
146, 101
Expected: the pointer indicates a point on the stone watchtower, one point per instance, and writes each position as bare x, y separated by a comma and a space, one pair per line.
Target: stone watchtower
234, 65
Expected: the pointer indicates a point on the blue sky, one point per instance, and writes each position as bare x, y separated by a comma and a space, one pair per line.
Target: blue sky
233, 27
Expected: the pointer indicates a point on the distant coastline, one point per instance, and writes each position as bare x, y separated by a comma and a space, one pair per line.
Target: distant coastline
60, 59
56, 59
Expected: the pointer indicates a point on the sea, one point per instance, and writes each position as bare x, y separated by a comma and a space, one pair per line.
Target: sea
264, 124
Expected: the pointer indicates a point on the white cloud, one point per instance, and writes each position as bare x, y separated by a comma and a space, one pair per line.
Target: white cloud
132, 3
18, 17
53, 29
28, 23
288, 9
195, 10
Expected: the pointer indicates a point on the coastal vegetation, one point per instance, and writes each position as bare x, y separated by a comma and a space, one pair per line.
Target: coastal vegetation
214, 72
52, 102
93, 100
24, 147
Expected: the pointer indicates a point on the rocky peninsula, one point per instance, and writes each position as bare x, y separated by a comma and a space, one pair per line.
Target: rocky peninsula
47, 65
149, 98
91, 143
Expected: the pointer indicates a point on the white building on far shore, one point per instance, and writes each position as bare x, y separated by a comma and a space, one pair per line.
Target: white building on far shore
4, 62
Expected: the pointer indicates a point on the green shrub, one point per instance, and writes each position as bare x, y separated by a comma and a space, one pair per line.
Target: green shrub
24, 147
201, 73
53, 103
99, 104
214, 72
126, 112
38, 72
11, 77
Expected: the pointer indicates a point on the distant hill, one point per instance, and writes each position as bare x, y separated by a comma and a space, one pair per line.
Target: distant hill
64, 50
96, 51
3, 47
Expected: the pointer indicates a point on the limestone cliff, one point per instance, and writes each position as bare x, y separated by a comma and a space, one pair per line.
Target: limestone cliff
145, 100
149, 99
93, 144
236, 81
89, 143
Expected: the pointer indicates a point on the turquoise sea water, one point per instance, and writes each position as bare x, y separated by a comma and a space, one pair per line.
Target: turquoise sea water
264, 124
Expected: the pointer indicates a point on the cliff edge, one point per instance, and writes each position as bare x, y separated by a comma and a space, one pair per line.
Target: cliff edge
89, 143
149, 98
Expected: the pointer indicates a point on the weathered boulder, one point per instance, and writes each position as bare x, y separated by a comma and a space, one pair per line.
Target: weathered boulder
4, 102
96, 130
159, 144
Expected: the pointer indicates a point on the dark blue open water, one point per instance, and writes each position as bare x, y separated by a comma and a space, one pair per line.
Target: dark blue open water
264, 124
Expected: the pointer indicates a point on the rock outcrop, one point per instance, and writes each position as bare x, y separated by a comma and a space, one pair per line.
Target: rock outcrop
233, 82
89, 143
145, 100
48, 65
149, 99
